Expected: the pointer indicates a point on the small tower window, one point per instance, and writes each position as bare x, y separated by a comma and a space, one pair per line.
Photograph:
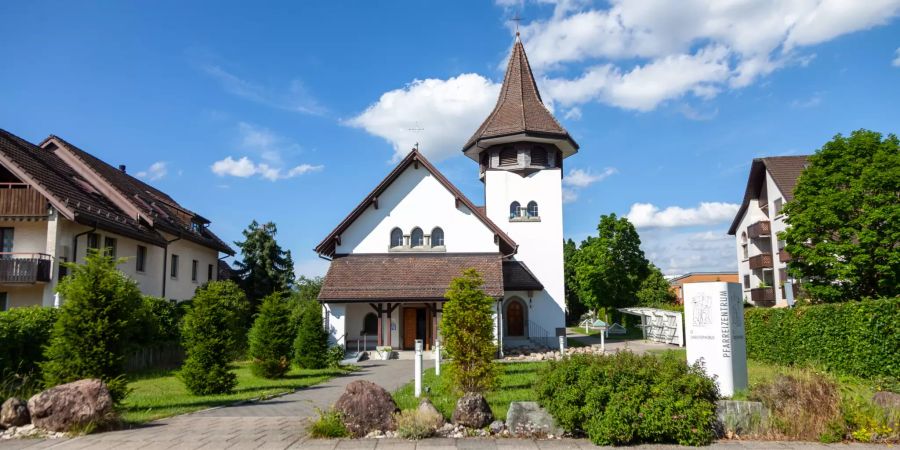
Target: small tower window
532, 209
508, 157
417, 238
437, 237
515, 210
396, 238
538, 156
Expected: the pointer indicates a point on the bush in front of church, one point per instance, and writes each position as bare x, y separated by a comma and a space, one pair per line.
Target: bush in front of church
467, 329
311, 343
625, 399
212, 333
271, 338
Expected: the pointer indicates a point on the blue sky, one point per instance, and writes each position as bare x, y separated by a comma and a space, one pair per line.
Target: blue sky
293, 111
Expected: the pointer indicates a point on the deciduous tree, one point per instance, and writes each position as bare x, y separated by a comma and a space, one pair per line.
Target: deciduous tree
655, 291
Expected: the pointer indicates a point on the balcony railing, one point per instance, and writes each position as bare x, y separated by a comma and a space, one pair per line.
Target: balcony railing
763, 296
24, 268
761, 261
21, 200
783, 255
758, 229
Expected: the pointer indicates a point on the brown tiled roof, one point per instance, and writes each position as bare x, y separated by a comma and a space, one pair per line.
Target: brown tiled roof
517, 277
785, 171
420, 276
328, 245
519, 108
164, 213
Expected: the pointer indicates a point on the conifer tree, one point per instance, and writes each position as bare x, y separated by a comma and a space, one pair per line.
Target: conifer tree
264, 268
311, 344
271, 338
467, 329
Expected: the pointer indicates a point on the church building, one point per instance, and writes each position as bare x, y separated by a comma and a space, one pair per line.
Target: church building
394, 256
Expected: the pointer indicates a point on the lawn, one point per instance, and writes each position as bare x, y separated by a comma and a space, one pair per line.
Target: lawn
161, 394
515, 383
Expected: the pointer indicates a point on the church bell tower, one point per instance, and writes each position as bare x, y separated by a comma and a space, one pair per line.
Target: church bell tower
520, 149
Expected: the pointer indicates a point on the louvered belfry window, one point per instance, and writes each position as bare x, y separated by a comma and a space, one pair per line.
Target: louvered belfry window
508, 157
538, 156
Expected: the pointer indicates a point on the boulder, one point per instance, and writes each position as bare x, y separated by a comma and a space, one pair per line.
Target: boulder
428, 409
528, 418
887, 400
14, 413
72, 406
472, 411
366, 407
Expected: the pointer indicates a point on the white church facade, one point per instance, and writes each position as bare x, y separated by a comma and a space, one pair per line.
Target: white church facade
394, 256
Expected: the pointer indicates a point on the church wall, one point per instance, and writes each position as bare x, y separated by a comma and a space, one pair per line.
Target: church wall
416, 198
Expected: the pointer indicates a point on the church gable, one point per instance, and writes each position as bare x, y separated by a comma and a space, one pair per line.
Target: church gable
411, 203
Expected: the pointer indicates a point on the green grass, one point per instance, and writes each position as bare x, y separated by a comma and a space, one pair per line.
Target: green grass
515, 383
161, 394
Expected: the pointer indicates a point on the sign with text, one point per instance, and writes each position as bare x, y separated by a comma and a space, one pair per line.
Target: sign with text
714, 317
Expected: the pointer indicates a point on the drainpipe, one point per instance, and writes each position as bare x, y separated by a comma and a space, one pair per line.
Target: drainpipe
75, 241
165, 274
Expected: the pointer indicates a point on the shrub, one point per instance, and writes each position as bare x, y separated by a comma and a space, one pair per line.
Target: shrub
311, 344
271, 337
467, 327
417, 423
162, 320
335, 356
23, 334
328, 425
211, 333
806, 408
97, 325
853, 338
626, 399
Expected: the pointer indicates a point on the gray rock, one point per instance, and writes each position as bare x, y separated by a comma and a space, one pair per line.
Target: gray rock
427, 407
740, 418
497, 427
72, 405
14, 413
472, 410
366, 407
530, 418
887, 400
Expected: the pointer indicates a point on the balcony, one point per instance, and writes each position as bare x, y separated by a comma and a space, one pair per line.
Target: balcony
761, 261
784, 256
763, 296
759, 229
24, 268
21, 200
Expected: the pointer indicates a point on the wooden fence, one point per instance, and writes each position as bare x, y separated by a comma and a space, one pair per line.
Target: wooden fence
165, 356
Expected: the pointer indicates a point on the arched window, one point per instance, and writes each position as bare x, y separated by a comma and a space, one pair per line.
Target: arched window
416, 238
538, 156
396, 238
370, 325
437, 237
532, 209
508, 156
514, 210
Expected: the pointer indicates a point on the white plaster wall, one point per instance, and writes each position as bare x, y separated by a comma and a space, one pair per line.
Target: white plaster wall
540, 243
182, 287
28, 237
778, 226
416, 198
335, 321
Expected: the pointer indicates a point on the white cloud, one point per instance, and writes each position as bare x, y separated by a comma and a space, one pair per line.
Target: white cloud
295, 98
573, 114
446, 111
811, 102
677, 253
579, 178
647, 215
156, 171
896, 61
569, 195
245, 168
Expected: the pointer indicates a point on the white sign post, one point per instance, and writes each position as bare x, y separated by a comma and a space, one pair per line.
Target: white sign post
714, 314
418, 368
437, 358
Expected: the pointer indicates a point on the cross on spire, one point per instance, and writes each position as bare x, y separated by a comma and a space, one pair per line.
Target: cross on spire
517, 18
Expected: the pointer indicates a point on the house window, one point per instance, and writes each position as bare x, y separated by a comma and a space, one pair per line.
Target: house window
532, 209
746, 281
173, 270
109, 246
509, 157
370, 325
744, 249
779, 205
417, 238
437, 237
396, 238
209, 272
4, 304
515, 210
6, 239
93, 241
140, 263
194, 265
538, 156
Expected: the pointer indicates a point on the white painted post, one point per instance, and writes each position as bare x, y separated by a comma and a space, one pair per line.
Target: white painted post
603, 340
562, 346
437, 358
418, 368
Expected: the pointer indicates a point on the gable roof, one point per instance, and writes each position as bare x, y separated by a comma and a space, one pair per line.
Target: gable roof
328, 245
517, 277
784, 170
519, 108
139, 199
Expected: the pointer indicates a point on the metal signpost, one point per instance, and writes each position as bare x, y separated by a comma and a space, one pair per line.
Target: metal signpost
418, 368
437, 358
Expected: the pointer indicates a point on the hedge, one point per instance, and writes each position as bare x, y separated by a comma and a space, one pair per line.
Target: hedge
854, 338
23, 334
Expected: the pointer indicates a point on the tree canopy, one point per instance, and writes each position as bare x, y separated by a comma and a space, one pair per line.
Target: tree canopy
844, 234
264, 267
655, 291
467, 330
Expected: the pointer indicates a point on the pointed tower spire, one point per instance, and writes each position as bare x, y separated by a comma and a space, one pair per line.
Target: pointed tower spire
520, 114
